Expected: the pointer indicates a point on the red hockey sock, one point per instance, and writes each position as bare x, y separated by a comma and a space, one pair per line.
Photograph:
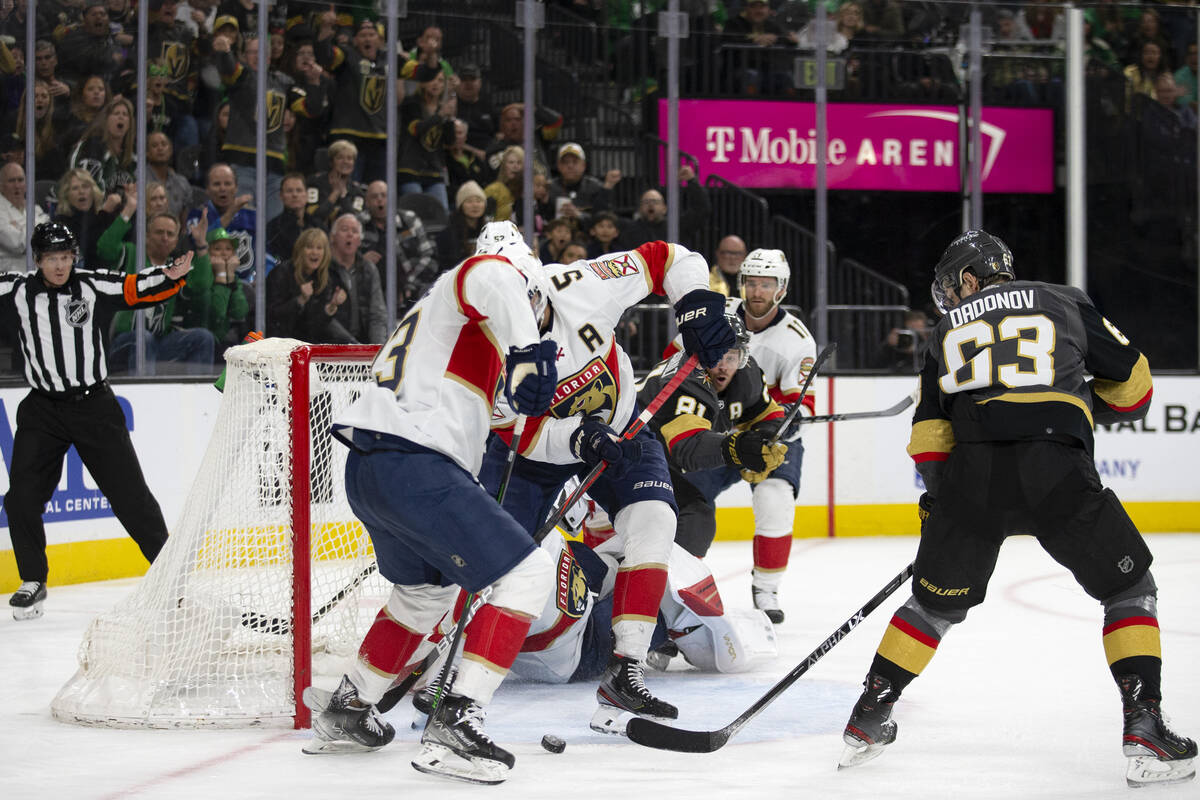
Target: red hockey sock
388, 645
638, 593
771, 553
494, 636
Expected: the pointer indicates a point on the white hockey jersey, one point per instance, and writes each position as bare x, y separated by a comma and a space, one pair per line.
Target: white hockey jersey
595, 377
785, 350
437, 376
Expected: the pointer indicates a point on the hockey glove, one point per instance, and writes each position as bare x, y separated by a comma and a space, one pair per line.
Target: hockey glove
593, 442
749, 451
700, 316
532, 377
924, 507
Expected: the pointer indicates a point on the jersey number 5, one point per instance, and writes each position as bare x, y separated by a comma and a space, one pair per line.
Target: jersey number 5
1038, 349
390, 369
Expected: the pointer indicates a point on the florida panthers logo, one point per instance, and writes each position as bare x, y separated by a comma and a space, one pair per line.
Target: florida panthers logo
570, 586
591, 391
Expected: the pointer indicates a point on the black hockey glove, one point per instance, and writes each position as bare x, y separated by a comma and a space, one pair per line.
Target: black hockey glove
924, 507
748, 451
532, 377
593, 442
700, 316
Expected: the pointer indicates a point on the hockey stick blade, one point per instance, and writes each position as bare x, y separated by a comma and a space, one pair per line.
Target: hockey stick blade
891, 411
649, 733
281, 626
821, 358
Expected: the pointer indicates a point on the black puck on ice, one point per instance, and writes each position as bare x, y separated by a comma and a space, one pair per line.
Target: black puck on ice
553, 743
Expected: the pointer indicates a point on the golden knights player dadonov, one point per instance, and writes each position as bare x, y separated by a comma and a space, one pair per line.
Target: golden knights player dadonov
1002, 435
720, 419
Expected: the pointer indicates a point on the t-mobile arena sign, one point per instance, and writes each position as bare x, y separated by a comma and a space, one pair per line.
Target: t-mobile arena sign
760, 143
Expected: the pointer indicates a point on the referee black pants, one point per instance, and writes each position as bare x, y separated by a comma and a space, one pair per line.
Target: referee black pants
95, 424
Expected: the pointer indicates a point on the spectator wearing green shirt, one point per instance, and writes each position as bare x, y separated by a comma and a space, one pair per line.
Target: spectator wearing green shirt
223, 306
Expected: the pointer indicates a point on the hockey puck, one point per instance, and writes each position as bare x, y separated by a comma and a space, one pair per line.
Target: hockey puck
553, 743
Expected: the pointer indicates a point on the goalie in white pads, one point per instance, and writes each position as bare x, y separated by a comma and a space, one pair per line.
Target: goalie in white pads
416, 439
595, 399
784, 349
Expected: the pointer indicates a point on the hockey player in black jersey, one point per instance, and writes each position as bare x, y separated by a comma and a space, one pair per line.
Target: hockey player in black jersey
715, 429
1002, 435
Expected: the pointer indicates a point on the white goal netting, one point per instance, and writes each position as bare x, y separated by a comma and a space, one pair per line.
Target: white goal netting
207, 636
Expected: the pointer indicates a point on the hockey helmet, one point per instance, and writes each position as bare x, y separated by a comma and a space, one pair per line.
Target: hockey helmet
52, 237
497, 234
741, 336
987, 256
763, 263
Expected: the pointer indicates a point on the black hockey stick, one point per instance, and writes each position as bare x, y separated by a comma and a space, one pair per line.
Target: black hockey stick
822, 357
891, 411
634, 426
282, 626
469, 605
649, 733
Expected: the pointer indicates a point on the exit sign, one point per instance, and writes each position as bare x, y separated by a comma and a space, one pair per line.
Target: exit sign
806, 73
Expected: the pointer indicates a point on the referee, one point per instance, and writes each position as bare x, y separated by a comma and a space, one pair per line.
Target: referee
70, 402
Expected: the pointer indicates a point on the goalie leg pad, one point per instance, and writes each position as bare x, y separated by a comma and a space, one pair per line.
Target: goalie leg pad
733, 642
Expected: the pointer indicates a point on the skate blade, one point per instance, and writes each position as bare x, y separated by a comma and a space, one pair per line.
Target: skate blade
854, 755
27, 612
321, 747
1148, 770
611, 720
436, 759
316, 699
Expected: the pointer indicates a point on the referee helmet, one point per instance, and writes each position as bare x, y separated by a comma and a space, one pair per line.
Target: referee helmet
51, 237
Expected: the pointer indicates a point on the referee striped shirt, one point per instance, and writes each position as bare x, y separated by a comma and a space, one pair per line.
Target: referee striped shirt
58, 330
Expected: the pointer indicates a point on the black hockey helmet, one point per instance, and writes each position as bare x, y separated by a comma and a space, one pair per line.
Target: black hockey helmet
52, 237
742, 337
985, 255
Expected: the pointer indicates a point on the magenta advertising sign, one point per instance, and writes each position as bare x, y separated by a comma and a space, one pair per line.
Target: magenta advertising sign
769, 144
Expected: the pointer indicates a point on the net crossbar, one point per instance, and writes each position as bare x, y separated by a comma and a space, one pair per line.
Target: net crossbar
220, 631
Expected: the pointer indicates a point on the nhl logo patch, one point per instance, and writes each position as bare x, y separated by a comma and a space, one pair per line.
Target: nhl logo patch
1125, 565
78, 313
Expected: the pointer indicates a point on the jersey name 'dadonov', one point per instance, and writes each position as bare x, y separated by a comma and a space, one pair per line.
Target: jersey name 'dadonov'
990, 300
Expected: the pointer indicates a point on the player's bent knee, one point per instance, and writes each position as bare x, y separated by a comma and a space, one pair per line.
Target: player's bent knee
774, 508
419, 607
649, 530
940, 617
525, 587
1143, 594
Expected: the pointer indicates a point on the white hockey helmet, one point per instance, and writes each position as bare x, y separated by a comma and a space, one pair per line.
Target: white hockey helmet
763, 263
495, 235
504, 239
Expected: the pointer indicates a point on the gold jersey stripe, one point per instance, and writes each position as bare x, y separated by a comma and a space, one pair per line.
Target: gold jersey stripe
1042, 397
1129, 392
931, 436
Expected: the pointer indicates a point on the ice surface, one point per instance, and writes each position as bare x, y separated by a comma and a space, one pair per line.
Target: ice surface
1018, 703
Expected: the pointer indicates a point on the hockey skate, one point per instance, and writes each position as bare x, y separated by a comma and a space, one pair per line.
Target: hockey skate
422, 699
341, 724
455, 746
27, 600
767, 600
870, 728
1156, 753
622, 694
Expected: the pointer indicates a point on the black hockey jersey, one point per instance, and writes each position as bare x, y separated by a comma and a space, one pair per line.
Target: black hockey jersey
693, 422
1010, 363
359, 104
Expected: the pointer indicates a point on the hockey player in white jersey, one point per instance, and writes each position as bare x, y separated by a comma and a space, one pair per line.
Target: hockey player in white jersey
594, 401
416, 439
785, 350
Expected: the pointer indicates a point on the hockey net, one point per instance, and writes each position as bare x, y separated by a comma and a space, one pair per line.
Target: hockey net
267, 577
